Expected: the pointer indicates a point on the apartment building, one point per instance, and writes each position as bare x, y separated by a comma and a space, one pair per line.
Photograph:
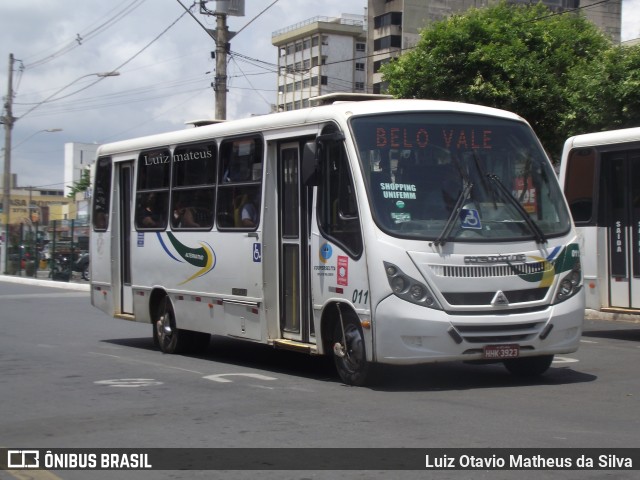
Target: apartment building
319, 56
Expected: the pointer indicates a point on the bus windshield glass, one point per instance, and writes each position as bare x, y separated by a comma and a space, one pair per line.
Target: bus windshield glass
458, 177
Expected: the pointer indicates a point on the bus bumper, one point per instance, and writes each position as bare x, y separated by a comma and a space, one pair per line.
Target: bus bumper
408, 334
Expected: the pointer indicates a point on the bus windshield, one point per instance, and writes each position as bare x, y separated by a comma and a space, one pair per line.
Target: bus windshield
458, 177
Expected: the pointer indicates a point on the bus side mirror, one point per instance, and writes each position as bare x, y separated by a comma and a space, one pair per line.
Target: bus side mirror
310, 171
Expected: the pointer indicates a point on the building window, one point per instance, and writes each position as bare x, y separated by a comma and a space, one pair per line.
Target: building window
359, 86
390, 18
361, 47
390, 41
360, 66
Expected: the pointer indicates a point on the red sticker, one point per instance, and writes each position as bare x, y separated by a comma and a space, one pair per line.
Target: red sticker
343, 270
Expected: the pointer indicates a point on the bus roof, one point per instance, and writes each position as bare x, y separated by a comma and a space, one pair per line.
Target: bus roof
312, 115
625, 135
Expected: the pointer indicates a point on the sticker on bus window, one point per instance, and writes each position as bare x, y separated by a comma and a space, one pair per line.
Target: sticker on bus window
525, 195
400, 217
470, 218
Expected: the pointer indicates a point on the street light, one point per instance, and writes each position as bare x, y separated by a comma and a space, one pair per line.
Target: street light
9, 120
49, 130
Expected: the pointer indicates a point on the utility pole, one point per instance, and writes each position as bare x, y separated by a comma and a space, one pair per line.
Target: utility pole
8, 121
220, 82
222, 37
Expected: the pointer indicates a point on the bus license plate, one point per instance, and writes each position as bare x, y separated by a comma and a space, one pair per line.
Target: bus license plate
499, 352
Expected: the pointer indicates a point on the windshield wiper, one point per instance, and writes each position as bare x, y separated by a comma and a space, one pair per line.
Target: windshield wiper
446, 231
533, 226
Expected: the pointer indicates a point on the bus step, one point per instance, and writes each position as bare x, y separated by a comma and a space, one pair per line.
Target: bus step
125, 316
296, 346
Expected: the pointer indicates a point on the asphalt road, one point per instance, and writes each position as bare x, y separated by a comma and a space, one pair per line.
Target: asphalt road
72, 377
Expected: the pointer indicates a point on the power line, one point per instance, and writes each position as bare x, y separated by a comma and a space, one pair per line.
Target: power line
114, 70
81, 38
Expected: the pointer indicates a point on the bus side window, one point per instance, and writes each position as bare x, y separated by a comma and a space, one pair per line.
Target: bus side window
579, 184
337, 200
193, 186
102, 194
152, 197
239, 193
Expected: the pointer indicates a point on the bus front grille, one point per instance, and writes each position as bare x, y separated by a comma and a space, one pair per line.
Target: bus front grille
499, 333
491, 271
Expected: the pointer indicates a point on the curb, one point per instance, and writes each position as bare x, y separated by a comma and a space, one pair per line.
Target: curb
45, 283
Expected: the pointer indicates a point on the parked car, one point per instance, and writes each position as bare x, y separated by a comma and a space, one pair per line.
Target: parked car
82, 265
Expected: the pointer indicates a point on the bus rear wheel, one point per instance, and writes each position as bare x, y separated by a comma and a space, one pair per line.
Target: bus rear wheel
349, 355
529, 366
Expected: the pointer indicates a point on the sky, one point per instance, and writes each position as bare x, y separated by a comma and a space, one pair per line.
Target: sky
164, 60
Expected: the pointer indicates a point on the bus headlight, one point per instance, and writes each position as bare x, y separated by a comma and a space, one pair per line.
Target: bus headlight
570, 284
409, 289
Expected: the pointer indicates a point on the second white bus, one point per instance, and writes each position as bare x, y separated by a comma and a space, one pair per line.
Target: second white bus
378, 232
600, 174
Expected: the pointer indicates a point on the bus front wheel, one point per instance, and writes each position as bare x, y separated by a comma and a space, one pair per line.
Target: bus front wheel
349, 354
529, 366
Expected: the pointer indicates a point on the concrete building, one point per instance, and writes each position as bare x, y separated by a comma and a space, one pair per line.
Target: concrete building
319, 56
30, 205
394, 25
77, 158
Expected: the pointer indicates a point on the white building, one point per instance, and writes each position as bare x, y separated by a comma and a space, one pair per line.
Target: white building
77, 157
319, 56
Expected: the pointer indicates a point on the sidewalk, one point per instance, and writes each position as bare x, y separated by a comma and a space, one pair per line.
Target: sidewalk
43, 280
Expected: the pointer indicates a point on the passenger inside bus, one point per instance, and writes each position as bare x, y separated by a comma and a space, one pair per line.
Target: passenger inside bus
150, 216
183, 217
245, 211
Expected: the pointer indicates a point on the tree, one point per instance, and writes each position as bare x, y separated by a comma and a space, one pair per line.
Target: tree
606, 95
81, 185
517, 58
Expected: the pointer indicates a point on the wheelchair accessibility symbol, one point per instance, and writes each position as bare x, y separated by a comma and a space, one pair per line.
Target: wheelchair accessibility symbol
470, 218
257, 252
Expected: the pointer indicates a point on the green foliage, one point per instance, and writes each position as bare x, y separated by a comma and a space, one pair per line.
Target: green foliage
606, 94
81, 185
518, 58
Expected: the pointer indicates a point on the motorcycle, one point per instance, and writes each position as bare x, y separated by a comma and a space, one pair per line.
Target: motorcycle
61, 269
82, 265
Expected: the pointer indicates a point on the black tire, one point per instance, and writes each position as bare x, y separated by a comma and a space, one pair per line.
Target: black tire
353, 367
85, 273
169, 338
529, 366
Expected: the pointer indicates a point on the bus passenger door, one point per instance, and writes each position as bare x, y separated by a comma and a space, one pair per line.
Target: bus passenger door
622, 205
294, 296
123, 235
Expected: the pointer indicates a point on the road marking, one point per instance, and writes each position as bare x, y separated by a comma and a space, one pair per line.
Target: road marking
143, 362
130, 382
560, 360
219, 378
587, 341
